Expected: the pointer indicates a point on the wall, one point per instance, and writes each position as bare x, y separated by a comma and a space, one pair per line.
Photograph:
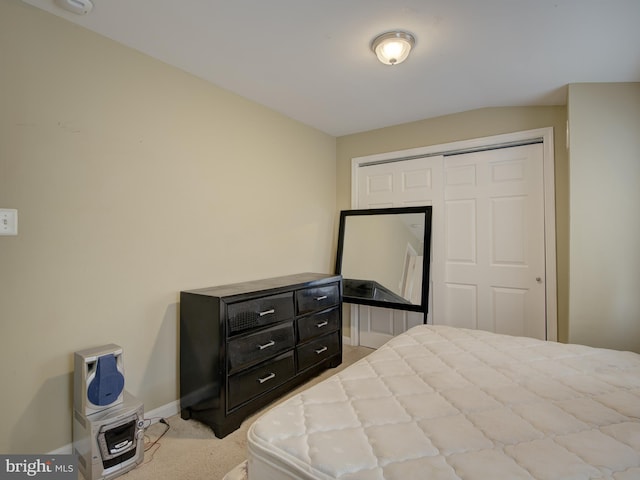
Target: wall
133, 181
462, 126
604, 126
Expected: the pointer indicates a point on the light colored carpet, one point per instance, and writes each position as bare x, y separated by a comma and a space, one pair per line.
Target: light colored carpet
190, 450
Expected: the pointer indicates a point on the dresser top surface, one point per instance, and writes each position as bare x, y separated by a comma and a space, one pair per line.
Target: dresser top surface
267, 285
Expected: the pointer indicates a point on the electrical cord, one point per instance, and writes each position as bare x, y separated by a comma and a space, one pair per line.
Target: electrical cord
152, 444
147, 422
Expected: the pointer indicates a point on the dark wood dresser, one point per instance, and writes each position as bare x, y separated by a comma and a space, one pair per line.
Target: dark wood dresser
246, 344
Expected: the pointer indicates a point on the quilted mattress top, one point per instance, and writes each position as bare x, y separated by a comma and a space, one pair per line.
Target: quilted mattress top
448, 403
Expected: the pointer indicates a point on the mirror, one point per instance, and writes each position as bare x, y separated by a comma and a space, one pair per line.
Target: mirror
384, 255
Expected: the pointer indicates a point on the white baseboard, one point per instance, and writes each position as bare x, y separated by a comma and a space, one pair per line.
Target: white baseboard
346, 340
164, 411
153, 416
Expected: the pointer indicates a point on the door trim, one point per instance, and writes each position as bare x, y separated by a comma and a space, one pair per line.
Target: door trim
543, 135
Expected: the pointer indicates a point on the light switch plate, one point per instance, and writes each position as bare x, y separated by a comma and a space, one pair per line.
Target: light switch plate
8, 221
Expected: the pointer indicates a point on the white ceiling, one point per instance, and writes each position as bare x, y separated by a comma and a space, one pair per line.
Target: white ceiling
310, 59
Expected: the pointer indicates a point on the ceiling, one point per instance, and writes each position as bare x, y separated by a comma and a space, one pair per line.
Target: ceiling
311, 59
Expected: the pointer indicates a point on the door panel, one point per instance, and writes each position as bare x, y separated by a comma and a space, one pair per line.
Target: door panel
378, 325
510, 310
381, 322
460, 302
508, 231
461, 231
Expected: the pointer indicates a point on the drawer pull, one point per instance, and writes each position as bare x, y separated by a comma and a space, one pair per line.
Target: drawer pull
266, 345
321, 298
267, 312
321, 350
322, 324
267, 378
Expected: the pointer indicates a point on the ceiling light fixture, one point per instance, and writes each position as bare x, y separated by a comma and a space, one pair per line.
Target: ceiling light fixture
79, 7
393, 48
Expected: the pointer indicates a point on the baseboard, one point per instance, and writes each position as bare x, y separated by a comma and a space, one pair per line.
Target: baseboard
152, 416
165, 411
346, 340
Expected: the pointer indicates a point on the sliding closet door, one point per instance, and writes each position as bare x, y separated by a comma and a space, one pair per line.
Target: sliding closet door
494, 242
398, 184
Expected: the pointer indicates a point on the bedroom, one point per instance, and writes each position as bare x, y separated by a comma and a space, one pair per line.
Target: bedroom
113, 161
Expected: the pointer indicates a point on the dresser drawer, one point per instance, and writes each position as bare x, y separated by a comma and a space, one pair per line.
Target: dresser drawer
256, 347
317, 298
258, 312
317, 350
318, 324
247, 385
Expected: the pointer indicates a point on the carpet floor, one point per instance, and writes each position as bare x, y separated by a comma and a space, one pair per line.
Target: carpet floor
190, 451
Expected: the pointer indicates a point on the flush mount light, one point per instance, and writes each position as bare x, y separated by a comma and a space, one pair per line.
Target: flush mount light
393, 48
79, 7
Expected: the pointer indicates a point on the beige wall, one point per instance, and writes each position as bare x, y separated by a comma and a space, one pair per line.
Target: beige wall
604, 132
133, 180
463, 126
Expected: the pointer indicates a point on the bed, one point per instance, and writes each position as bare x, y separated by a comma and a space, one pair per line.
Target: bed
448, 403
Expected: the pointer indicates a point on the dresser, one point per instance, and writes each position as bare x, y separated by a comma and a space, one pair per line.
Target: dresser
246, 344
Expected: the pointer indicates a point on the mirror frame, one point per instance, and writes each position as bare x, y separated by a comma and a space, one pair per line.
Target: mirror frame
424, 305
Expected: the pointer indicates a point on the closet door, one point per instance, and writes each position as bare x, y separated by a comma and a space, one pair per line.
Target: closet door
397, 184
494, 260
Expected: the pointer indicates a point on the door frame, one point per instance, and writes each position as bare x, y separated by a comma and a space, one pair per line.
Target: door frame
544, 135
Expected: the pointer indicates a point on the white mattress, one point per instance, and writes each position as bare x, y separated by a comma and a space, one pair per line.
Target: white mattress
447, 403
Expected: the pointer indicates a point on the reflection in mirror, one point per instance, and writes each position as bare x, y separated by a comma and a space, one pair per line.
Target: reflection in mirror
383, 257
